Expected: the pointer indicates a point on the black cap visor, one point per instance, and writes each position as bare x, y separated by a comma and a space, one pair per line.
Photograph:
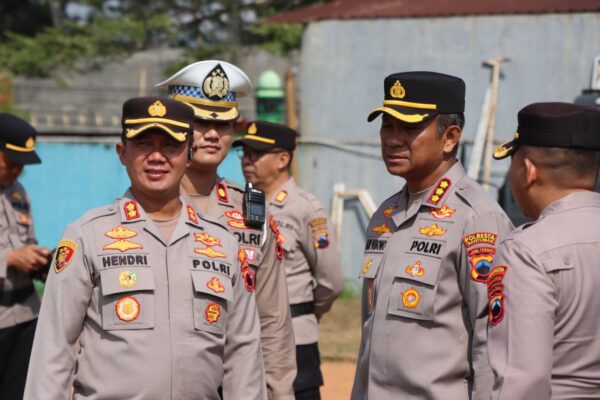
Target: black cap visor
255, 143
22, 157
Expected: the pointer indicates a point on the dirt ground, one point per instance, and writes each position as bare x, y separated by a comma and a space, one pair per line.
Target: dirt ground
340, 339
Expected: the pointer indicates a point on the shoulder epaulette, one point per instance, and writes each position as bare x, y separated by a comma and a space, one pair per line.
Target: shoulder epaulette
96, 213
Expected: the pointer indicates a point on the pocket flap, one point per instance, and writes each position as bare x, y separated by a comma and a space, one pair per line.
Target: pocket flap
558, 262
118, 280
424, 270
213, 284
370, 265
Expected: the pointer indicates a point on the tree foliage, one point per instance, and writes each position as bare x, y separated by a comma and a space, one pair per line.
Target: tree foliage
38, 38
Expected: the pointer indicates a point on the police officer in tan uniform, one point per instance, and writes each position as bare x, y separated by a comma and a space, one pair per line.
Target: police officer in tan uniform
211, 88
428, 253
312, 260
544, 332
20, 256
152, 291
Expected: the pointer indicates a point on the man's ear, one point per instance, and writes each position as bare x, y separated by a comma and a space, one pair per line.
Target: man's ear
451, 137
120, 149
532, 173
283, 159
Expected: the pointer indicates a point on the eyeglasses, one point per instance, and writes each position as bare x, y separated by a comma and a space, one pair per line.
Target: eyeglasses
253, 155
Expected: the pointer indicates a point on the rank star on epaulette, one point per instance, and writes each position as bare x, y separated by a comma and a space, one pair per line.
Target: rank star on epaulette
440, 190
192, 215
222, 193
131, 210
281, 196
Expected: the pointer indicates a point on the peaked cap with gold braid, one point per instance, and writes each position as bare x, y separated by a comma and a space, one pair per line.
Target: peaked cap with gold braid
211, 88
17, 140
415, 96
143, 113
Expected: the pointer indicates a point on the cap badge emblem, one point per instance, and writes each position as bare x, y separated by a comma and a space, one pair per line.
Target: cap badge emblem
157, 109
252, 129
397, 90
30, 143
216, 84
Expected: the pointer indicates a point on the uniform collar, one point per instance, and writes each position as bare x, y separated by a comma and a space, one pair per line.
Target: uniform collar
131, 211
434, 197
282, 195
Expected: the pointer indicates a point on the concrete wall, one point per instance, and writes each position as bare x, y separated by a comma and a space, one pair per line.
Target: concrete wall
344, 63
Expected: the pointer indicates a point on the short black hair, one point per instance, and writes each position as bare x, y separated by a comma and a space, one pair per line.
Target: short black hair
568, 168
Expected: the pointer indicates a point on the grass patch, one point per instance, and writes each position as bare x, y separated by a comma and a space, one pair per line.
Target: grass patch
340, 331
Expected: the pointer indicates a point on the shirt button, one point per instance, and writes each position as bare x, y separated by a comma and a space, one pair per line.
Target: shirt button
567, 260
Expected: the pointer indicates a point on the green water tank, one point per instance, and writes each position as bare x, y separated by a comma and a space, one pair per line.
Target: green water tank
270, 98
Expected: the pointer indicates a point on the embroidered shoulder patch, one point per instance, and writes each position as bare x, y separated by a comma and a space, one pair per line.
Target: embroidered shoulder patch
496, 294
440, 190
63, 254
479, 237
481, 259
278, 237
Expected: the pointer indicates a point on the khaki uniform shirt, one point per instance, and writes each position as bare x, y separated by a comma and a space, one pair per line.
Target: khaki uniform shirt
424, 307
16, 231
544, 333
261, 248
312, 260
154, 320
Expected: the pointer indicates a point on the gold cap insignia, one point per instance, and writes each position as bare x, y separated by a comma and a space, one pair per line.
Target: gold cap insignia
157, 109
216, 84
516, 135
397, 90
252, 129
30, 143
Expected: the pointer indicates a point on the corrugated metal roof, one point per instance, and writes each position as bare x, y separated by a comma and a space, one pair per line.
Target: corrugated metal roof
365, 9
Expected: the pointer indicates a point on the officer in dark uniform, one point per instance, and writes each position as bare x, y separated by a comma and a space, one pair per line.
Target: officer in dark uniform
20, 256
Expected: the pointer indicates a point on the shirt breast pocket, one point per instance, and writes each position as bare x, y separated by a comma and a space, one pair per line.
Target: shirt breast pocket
127, 298
414, 288
212, 292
